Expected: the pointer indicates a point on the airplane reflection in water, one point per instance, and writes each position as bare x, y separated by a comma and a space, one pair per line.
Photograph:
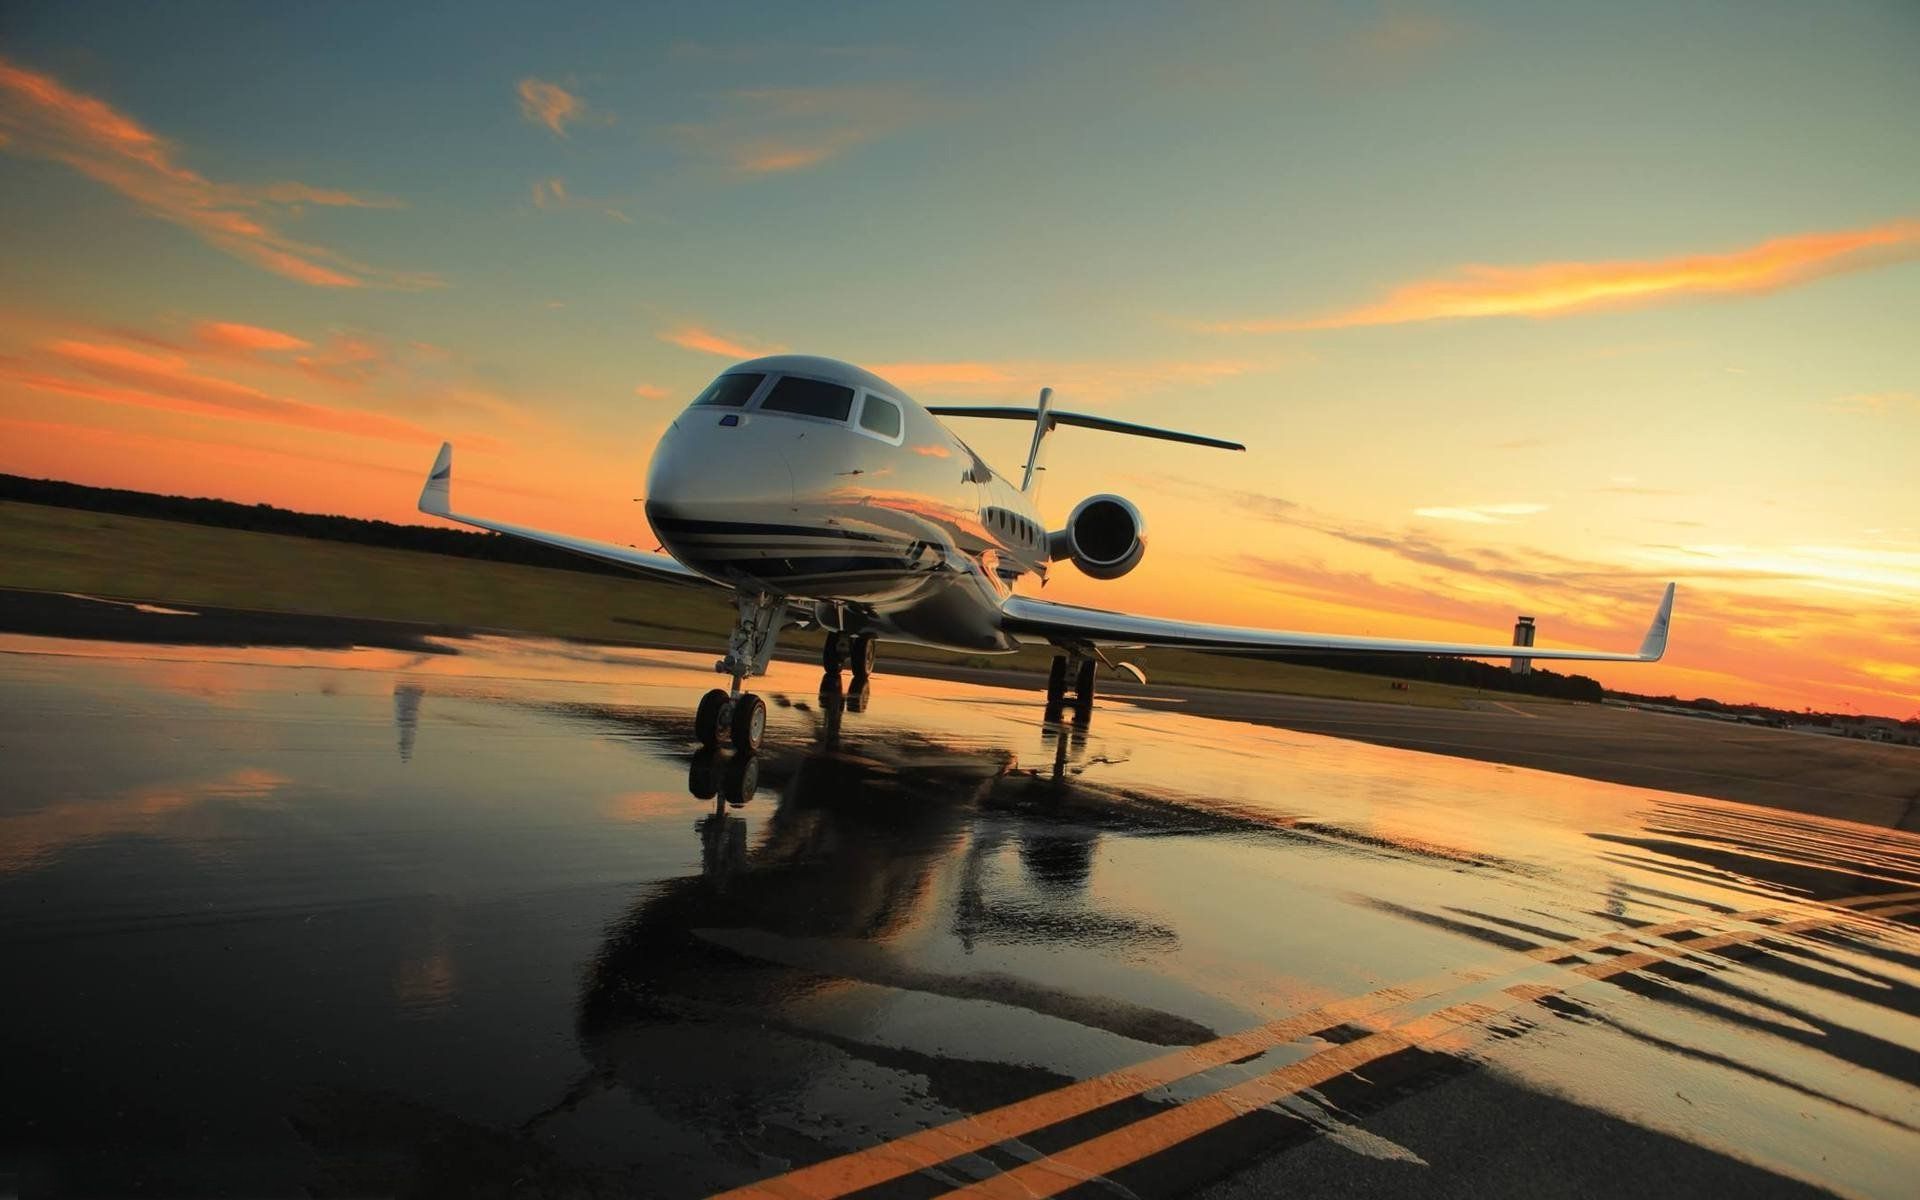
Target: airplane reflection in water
802, 966
507, 944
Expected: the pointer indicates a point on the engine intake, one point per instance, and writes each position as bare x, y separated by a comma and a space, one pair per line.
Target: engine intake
1105, 537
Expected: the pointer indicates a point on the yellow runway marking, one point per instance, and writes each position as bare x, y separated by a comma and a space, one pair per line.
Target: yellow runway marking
915, 1152
1151, 1135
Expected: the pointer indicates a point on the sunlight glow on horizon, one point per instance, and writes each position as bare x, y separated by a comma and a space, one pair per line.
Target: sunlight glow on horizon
290, 290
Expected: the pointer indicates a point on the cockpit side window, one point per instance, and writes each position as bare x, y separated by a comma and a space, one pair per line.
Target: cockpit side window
880, 415
729, 391
809, 398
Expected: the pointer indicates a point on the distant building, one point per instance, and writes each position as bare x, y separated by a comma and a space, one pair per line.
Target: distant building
1523, 636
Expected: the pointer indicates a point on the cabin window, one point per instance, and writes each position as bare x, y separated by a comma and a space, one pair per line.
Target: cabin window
729, 391
881, 416
809, 398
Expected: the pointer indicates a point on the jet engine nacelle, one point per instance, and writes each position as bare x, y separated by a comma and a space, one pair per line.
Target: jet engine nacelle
1105, 537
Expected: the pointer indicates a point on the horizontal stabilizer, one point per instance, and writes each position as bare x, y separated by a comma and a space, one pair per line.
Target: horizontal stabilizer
1084, 421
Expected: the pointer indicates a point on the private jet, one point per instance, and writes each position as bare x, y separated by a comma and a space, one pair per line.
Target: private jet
819, 494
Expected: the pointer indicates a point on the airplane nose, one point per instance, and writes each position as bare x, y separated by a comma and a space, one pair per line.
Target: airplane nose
705, 472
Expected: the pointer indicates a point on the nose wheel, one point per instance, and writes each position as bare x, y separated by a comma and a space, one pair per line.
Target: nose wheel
736, 715
740, 719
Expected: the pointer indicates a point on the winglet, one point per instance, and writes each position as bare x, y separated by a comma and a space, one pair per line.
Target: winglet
1655, 644
436, 499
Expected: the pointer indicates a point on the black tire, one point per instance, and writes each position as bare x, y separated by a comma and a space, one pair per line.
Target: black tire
742, 779
1083, 692
863, 656
833, 654
859, 695
703, 773
749, 723
1057, 681
708, 718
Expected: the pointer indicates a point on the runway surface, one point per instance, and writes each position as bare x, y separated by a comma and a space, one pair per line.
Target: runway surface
383, 921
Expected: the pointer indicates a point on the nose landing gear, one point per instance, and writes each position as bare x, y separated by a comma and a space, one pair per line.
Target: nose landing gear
742, 715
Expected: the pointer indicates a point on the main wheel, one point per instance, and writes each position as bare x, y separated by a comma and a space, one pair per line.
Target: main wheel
703, 773
1057, 681
1083, 692
863, 656
833, 654
708, 718
749, 722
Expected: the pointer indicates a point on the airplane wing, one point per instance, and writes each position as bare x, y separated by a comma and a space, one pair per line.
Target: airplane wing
436, 500
1068, 624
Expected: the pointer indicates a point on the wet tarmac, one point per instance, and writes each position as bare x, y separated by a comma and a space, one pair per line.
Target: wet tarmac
406, 921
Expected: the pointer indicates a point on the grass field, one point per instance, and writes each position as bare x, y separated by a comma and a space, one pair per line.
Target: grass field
136, 558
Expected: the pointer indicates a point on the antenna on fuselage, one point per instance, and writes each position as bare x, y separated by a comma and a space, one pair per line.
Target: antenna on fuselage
1042, 426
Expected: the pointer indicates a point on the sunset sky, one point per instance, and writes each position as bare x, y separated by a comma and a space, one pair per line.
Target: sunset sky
1517, 309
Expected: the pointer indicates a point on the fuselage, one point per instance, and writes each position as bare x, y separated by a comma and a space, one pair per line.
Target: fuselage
814, 479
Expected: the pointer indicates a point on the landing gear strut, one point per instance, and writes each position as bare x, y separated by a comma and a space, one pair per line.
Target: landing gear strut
742, 715
1079, 669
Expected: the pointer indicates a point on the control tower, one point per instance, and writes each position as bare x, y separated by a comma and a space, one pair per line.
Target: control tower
1523, 636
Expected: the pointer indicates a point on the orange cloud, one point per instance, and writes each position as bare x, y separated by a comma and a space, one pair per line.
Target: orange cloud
648, 391
300, 193
1875, 403
1480, 514
1082, 382
120, 375
1558, 289
41, 117
768, 131
944, 374
549, 192
246, 339
706, 341
550, 104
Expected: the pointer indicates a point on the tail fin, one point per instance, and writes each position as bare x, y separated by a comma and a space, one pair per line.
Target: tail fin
1042, 426
436, 499
1655, 644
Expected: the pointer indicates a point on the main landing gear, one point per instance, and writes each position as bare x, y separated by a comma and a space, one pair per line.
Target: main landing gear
1077, 669
742, 716
843, 651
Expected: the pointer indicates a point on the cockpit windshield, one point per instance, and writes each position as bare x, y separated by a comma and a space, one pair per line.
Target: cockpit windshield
809, 398
729, 391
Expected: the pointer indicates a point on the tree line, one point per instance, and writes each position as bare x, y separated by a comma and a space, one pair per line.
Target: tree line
265, 518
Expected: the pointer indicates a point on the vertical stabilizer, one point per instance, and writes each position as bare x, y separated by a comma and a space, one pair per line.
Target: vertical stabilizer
1042, 426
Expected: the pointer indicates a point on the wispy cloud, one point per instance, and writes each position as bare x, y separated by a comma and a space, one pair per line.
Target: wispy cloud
1078, 381
42, 118
1562, 288
1480, 514
648, 391
552, 194
246, 339
342, 382
120, 375
1875, 404
725, 345
770, 131
1397, 40
549, 104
